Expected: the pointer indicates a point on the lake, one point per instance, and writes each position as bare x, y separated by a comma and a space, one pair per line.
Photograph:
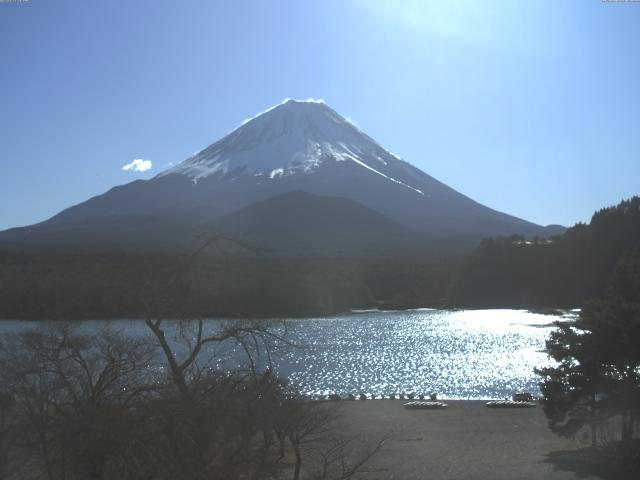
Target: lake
466, 354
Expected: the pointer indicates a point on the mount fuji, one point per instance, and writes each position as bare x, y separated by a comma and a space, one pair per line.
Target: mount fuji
298, 178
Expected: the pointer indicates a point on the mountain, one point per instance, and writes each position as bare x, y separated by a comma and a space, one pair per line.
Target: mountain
297, 146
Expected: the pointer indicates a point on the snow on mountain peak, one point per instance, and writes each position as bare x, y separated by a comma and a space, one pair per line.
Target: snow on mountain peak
284, 102
293, 137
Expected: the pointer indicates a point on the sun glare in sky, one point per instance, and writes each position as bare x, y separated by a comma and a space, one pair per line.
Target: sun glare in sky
488, 24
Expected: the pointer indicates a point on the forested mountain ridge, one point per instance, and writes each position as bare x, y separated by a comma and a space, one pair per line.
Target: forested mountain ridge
562, 271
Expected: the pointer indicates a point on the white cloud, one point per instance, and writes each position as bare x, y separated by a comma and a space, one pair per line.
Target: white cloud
138, 165
352, 122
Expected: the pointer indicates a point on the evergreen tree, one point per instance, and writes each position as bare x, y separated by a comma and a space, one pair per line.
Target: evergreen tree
572, 390
598, 372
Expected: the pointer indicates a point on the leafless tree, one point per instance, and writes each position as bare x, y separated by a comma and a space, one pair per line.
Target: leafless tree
70, 392
344, 456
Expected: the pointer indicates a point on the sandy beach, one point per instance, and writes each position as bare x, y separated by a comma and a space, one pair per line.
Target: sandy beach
465, 441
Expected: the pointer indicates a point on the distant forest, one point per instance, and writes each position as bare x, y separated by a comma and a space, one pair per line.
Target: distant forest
563, 271
36, 286
515, 272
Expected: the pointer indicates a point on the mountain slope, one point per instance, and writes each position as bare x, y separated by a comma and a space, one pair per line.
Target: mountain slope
298, 223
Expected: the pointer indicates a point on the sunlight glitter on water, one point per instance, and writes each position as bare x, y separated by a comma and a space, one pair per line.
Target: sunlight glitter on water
457, 354
466, 354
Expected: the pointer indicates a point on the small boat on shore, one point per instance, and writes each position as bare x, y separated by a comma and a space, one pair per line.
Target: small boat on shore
418, 405
511, 404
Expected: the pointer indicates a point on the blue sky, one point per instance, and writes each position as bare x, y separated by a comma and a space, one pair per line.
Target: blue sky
531, 107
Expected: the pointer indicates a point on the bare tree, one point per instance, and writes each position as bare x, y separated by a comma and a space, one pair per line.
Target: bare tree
344, 456
70, 393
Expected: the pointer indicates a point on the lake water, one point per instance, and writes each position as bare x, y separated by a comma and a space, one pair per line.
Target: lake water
470, 354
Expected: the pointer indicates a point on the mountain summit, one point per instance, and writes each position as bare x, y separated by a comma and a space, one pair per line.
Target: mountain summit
294, 137
296, 146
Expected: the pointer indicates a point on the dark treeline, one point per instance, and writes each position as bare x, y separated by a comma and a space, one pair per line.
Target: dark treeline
563, 271
77, 286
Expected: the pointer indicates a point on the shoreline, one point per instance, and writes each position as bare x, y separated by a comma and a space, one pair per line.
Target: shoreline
550, 312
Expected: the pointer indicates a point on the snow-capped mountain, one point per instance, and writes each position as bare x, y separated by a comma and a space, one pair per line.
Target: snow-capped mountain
292, 138
296, 146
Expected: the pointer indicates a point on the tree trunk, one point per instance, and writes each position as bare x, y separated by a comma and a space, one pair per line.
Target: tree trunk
45, 455
176, 372
594, 428
281, 441
296, 472
626, 430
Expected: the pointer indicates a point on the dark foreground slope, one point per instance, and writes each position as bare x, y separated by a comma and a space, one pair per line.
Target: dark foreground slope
302, 224
290, 224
